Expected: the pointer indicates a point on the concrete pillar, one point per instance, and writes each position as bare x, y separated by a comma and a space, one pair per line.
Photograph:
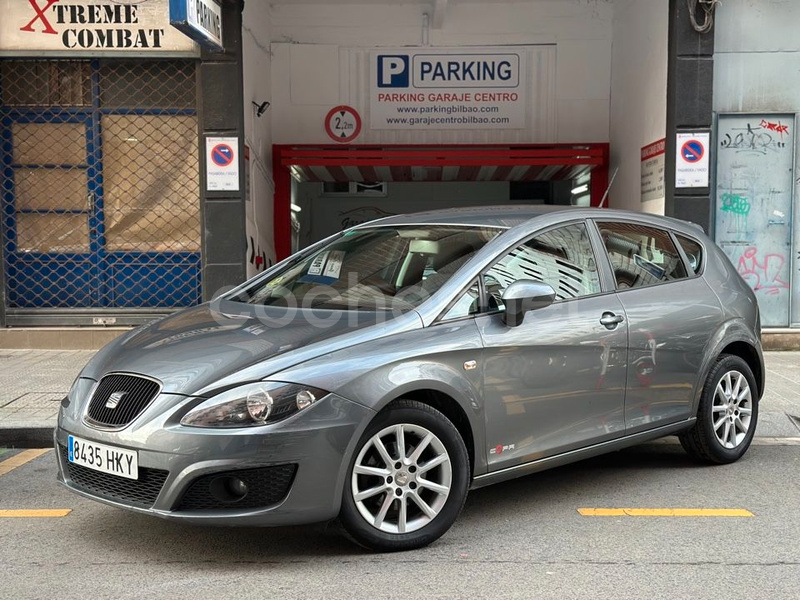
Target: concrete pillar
221, 113
690, 83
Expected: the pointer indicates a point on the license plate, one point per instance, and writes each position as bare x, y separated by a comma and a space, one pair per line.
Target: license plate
106, 459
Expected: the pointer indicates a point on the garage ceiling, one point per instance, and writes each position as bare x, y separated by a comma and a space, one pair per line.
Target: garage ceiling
415, 163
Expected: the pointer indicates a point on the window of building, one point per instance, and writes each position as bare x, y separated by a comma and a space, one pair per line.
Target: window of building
354, 188
641, 255
562, 258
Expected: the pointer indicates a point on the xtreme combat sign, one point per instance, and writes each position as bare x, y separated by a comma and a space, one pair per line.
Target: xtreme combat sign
76, 26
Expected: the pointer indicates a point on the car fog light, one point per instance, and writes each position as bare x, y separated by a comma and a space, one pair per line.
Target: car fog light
259, 404
228, 489
236, 487
304, 399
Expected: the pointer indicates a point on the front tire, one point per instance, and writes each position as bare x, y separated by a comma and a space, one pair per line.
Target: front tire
727, 414
408, 479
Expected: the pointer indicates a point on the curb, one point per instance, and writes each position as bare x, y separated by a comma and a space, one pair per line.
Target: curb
26, 437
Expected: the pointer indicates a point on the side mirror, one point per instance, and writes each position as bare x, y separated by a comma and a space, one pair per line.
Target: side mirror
523, 296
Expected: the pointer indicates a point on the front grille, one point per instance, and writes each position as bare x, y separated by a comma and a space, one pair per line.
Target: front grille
140, 492
137, 392
265, 486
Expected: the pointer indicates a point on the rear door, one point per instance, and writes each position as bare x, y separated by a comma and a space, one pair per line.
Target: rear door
557, 381
672, 314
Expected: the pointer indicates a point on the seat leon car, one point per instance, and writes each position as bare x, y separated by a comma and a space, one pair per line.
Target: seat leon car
380, 374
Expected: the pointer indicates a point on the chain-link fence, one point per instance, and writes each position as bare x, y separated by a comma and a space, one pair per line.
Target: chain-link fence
100, 191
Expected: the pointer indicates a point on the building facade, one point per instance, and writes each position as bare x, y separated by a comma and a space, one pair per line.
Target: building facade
756, 100
338, 111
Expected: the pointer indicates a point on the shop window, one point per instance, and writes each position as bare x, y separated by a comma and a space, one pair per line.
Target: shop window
151, 209
52, 233
147, 84
354, 188
46, 83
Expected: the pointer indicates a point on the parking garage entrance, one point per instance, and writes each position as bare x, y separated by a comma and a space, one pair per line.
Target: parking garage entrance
322, 189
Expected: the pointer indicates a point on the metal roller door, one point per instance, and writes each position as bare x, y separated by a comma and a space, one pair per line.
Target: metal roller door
100, 192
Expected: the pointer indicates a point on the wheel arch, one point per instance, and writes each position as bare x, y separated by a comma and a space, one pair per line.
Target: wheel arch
750, 355
732, 337
450, 408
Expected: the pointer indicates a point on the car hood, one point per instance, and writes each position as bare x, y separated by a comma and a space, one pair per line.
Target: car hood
209, 346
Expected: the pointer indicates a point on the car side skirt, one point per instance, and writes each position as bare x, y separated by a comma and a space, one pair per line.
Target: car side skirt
580, 454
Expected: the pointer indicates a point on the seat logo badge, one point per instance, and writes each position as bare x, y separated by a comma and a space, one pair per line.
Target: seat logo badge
114, 399
470, 365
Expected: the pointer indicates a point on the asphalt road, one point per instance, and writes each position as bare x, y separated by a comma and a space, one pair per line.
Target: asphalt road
520, 539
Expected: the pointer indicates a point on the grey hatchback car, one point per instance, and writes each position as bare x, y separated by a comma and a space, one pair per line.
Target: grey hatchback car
380, 374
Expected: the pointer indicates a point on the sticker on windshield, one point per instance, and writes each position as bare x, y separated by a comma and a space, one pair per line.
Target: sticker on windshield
334, 265
318, 264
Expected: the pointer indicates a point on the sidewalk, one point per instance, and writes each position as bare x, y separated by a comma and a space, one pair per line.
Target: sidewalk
33, 382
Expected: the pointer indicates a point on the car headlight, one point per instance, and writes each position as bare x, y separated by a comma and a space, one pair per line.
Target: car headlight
252, 405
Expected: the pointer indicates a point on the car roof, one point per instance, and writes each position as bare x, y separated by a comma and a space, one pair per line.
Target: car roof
511, 215
503, 215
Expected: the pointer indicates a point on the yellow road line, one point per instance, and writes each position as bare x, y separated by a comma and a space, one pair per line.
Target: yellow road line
20, 459
665, 512
46, 513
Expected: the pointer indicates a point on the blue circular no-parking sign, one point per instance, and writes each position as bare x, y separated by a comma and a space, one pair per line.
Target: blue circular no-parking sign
222, 155
693, 151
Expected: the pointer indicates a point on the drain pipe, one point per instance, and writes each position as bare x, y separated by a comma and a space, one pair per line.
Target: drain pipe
426, 29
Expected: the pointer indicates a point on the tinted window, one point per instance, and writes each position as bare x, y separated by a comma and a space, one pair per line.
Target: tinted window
560, 257
641, 255
693, 251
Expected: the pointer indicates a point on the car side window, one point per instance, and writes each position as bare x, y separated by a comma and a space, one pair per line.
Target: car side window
468, 304
641, 255
693, 251
561, 257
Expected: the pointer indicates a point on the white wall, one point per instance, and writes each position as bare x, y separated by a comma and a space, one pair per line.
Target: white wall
638, 95
256, 28
574, 85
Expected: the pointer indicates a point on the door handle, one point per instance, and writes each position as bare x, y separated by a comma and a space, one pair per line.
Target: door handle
610, 320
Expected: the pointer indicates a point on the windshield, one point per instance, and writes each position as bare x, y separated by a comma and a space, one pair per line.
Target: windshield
384, 268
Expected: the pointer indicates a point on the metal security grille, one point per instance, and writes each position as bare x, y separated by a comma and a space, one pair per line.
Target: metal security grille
119, 399
100, 191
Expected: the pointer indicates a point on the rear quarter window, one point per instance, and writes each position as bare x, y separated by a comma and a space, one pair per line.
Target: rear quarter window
693, 251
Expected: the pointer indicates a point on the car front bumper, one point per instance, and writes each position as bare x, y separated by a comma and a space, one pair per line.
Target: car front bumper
319, 441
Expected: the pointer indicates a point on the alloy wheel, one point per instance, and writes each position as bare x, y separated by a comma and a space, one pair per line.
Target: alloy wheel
401, 478
732, 409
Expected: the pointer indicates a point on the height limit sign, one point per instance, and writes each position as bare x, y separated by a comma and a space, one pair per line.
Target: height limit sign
222, 164
343, 124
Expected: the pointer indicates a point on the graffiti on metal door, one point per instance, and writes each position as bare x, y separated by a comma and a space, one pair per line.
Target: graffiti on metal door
753, 224
762, 271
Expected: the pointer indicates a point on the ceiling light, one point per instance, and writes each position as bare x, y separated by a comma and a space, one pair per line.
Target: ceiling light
580, 189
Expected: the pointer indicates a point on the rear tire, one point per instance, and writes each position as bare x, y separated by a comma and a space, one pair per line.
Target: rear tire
402, 495
727, 414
